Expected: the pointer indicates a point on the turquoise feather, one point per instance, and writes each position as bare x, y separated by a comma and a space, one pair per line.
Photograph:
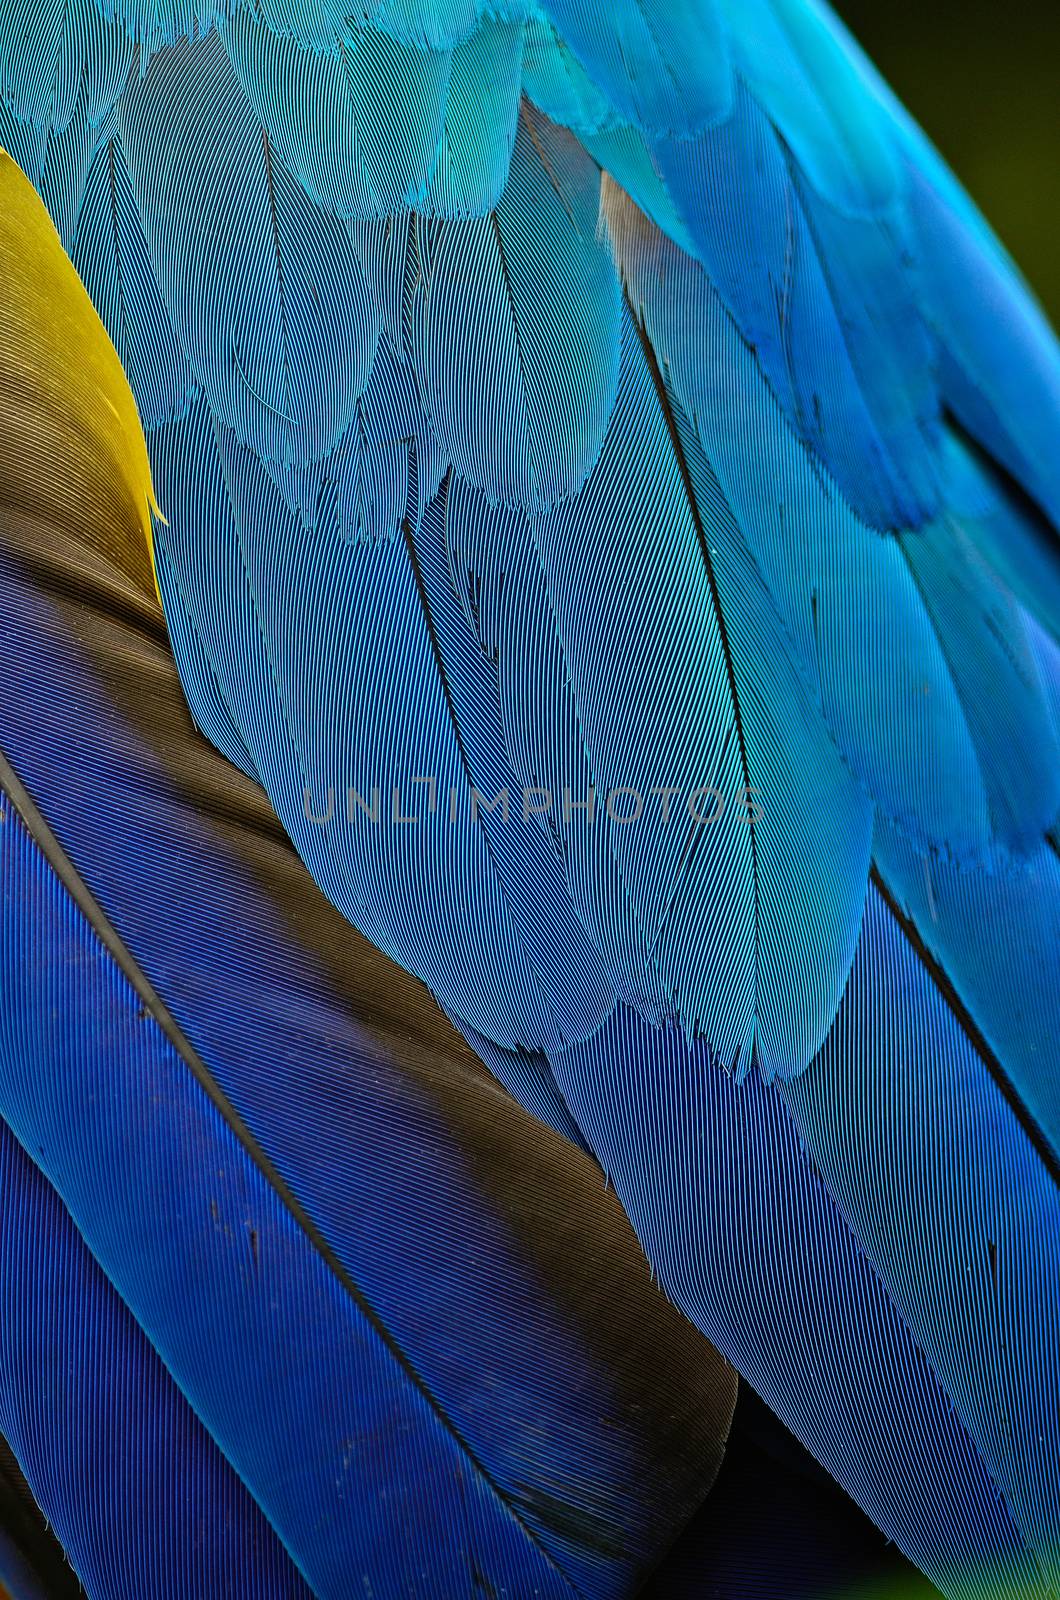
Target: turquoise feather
896, 687
674, 88
608, 405
112, 258
518, 380
476, 142
265, 291
359, 126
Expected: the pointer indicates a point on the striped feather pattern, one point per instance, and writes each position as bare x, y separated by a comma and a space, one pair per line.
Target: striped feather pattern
267, 1407
440, 24
57, 163
557, 83
478, 136
444, 509
60, 61
360, 126
33, 1564
423, 761
518, 385
970, 1250
899, 693
776, 1523
969, 923
748, 1241
673, 88
112, 259
82, 1391
736, 195
312, 1206
302, 1039
264, 290
676, 609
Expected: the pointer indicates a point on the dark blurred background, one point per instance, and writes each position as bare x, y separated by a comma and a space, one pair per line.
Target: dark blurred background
983, 78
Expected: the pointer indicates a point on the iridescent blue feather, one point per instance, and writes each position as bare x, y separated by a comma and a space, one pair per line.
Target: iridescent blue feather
554, 410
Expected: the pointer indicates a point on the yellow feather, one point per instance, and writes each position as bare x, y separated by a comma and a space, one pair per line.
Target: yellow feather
72, 449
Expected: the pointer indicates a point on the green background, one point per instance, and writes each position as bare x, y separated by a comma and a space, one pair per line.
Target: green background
983, 78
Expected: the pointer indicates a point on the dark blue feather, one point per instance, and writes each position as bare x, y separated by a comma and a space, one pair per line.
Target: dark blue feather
954, 1206
84, 1398
447, 517
972, 921
776, 1524
362, 1264
746, 1238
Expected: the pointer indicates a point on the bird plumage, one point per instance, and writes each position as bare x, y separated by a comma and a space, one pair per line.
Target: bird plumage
543, 402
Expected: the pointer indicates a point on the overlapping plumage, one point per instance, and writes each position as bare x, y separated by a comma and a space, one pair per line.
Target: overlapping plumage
627, 410
292, 1303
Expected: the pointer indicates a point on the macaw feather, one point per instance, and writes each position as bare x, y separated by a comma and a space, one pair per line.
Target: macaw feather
567, 423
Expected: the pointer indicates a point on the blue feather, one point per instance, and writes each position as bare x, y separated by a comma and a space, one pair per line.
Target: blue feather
519, 379
984, 637
971, 920
111, 256
56, 162
409, 1318
363, 1127
625, 157
446, 517
475, 148
777, 1524
406, 764
59, 62
899, 693
1007, 530
498, 577
264, 290
736, 194
680, 625
681, 79
152, 24
557, 84
359, 126
1000, 368
183, 1196
142, 1499
953, 1205
440, 24
747, 1240
802, 71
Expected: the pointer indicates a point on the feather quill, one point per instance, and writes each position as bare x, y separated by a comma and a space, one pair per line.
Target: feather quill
212, 1111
